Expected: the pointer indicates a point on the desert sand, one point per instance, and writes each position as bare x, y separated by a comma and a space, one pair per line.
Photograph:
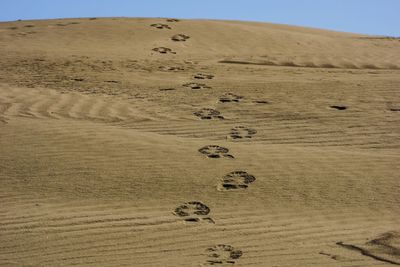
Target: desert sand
163, 142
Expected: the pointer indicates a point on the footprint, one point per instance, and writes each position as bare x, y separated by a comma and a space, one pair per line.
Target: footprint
201, 76
66, 24
208, 114
170, 68
160, 26
339, 107
385, 248
223, 254
25, 33
395, 109
163, 50
215, 152
193, 211
180, 38
173, 20
229, 97
241, 132
236, 180
196, 86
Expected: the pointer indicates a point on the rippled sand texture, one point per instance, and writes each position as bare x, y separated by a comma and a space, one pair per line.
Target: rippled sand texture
163, 142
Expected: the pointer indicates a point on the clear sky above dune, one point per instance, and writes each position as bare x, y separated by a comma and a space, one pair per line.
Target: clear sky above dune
359, 16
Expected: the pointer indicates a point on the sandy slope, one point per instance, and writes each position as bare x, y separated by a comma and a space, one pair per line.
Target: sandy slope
100, 138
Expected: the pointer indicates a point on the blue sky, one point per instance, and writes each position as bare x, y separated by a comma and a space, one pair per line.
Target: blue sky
360, 16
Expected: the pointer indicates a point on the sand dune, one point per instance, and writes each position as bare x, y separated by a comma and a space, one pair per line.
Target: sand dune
163, 142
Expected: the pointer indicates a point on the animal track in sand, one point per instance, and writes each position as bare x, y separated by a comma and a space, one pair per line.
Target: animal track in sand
339, 107
170, 68
385, 248
163, 50
222, 254
236, 180
196, 86
180, 38
201, 76
241, 132
230, 97
208, 114
193, 211
66, 24
160, 26
173, 20
215, 152
22, 34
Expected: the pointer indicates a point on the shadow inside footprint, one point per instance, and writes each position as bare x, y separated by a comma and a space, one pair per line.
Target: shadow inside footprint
223, 254
241, 132
215, 152
160, 26
385, 248
66, 24
208, 114
163, 50
170, 68
230, 97
180, 38
196, 86
236, 180
201, 76
193, 211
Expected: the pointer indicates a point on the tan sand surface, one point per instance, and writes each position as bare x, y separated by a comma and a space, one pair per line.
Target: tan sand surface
154, 142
